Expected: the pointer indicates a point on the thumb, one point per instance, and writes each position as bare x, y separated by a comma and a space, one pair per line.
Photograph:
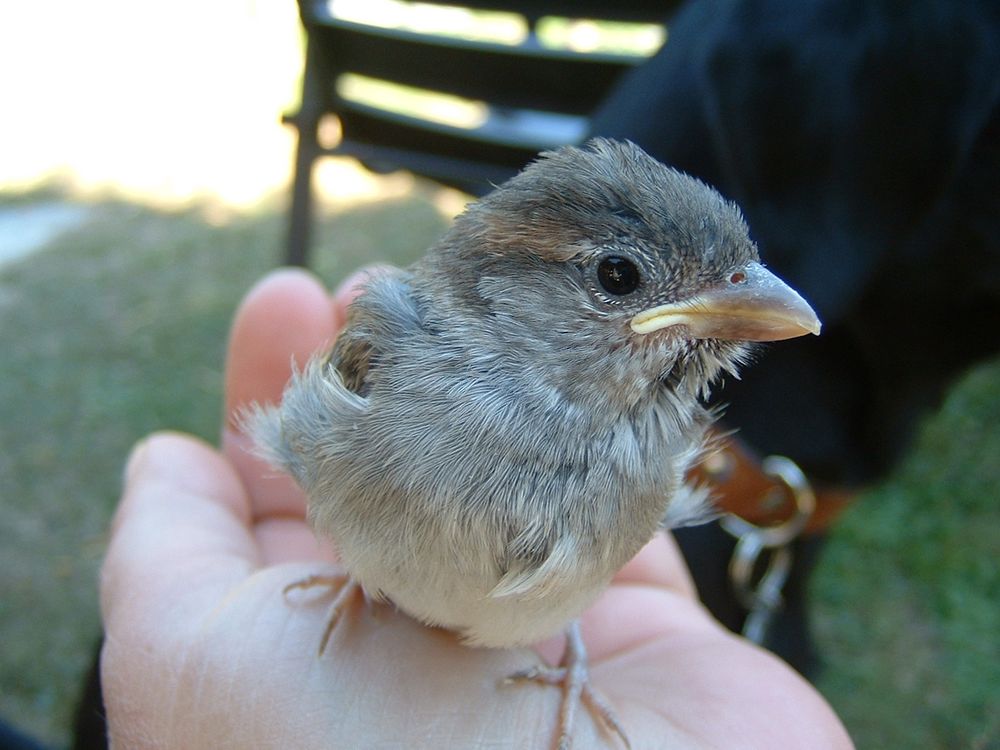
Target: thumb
181, 537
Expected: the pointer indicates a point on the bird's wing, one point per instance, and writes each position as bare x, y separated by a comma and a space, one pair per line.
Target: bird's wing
532, 578
384, 311
351, 356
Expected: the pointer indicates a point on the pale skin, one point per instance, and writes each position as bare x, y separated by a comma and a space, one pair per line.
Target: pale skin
204, 649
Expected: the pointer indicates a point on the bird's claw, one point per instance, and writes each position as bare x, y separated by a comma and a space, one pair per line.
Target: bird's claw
573, 678
344, 586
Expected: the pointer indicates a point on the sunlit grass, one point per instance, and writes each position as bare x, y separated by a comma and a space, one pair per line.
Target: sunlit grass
192, 111
165, 105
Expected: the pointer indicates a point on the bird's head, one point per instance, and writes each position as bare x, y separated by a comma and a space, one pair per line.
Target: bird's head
603, 249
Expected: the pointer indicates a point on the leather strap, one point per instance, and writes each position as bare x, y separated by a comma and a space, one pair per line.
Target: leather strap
739, 486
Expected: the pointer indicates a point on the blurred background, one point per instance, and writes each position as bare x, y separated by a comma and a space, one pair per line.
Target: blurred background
144, 177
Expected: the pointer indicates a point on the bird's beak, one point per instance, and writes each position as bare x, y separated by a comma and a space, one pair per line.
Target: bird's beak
751, 305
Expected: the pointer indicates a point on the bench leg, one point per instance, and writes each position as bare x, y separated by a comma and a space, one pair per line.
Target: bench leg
300, 216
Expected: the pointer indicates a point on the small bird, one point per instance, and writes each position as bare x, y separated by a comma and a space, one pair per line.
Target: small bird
502, 426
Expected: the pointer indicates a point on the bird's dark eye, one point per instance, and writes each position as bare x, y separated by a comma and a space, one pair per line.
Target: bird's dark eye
618, 275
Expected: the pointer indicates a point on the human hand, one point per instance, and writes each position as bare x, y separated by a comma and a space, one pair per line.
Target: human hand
204, 649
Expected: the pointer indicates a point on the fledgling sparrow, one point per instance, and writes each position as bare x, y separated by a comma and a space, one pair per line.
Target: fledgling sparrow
502, 426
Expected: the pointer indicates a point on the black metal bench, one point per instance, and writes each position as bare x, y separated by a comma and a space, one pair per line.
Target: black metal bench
534, 97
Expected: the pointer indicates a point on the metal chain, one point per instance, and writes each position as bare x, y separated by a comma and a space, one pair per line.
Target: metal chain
762, 595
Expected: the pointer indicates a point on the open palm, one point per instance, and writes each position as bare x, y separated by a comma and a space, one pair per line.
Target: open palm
203, 649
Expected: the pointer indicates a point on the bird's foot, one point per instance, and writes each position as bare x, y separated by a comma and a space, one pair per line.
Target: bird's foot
345, 587
573, 678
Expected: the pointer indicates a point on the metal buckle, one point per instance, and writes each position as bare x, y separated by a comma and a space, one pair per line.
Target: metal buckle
761, 594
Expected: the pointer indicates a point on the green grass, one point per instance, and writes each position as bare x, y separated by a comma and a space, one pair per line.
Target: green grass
119, 328
908, 593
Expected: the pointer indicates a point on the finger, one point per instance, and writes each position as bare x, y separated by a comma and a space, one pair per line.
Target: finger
284, 540
660, 563
181, 536
285, 318
651, 595
352, 286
